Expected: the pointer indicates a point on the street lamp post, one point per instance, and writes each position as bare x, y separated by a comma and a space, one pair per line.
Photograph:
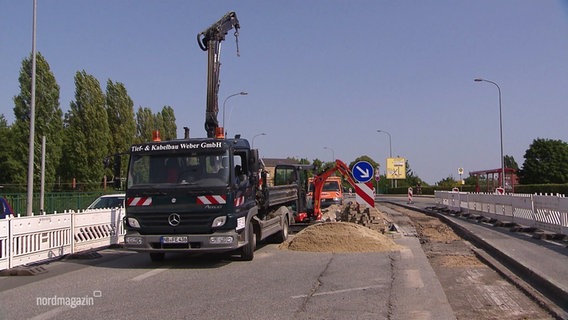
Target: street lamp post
500, 129
30, 189
242, 93
332, 153
390, 152
256, 135
390, 141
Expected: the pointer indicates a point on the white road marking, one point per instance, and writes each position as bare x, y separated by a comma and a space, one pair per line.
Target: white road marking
148, 274
50, 314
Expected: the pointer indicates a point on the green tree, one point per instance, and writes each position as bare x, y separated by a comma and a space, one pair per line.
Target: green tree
318, 166
145, 124
364, 158
412, 180
87, 133
510, 162
48, 123
447, 183
166, 123
546, 161
472, 181
7, 163
121, 121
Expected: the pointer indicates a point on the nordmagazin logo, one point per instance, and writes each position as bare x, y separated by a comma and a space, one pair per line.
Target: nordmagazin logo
71, 302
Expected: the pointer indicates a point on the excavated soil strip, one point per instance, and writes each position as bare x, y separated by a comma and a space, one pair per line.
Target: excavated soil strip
340, 237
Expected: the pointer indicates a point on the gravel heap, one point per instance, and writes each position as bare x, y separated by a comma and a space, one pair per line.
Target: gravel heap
340, 237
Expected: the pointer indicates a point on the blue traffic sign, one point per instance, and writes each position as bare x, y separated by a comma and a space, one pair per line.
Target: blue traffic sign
362, 171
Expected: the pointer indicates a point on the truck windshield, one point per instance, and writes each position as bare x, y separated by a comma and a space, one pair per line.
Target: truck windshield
331, 186
327, 186
211, 169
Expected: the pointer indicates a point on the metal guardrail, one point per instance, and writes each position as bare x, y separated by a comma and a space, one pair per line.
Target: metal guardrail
26, 240
544, 212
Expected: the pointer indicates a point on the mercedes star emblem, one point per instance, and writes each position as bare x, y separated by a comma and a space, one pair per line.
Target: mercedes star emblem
174, 219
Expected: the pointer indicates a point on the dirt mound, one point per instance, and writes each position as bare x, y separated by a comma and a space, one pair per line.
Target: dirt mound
340, 237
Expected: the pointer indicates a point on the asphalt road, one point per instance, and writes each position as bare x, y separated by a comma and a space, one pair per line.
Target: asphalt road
277, 284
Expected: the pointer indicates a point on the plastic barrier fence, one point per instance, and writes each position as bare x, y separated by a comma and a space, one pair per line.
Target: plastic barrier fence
26, 240
4, 257
545, 212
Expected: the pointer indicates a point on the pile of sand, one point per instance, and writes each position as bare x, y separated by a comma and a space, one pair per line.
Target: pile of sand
340, 237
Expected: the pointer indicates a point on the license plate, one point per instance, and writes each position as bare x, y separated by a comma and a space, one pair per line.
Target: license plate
180, 239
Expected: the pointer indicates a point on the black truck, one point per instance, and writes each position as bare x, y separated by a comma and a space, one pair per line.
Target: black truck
207, 195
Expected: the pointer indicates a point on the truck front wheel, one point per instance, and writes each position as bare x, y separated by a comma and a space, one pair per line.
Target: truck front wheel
247, 252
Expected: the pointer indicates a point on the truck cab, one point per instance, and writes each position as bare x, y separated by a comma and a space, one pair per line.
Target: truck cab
332, 192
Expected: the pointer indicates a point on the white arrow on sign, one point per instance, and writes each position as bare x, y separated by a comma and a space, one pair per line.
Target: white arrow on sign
364, 173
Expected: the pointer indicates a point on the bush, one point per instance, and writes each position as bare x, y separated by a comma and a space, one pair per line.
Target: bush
542, 188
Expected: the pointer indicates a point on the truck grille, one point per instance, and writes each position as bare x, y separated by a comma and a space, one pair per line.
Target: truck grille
190, 223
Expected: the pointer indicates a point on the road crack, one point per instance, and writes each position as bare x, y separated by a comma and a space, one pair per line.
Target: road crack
315, 286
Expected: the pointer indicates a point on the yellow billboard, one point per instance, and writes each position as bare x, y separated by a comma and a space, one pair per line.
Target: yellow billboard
396, 168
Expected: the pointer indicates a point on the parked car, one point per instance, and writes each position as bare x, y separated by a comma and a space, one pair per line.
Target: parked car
108, 201
5, 209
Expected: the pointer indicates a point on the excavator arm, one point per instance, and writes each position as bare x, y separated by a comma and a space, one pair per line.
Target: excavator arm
210, 40
319, 181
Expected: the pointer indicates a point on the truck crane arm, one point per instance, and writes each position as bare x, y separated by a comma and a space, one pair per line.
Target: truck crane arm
210, 40
319, 181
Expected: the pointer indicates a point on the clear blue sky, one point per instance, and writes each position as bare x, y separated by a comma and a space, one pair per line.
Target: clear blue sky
323, 73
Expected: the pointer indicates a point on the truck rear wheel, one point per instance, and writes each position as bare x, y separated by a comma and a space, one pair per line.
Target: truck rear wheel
282, 235
247, 252
157, 256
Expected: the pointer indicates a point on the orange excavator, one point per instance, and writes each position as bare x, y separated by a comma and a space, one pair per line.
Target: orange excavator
319, 181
